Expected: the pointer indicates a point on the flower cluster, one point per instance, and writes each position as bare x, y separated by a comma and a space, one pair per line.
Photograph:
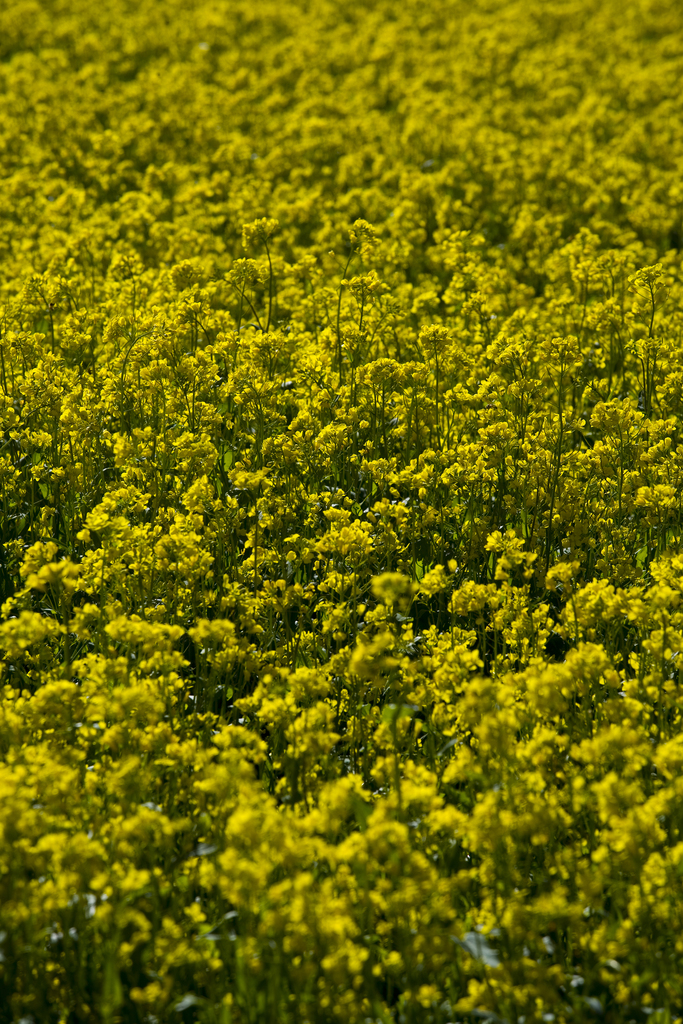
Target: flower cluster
341, 546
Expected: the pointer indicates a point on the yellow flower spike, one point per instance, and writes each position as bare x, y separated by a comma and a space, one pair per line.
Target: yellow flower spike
259, 230
62, 575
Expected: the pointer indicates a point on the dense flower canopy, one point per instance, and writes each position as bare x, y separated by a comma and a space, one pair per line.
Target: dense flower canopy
341, 387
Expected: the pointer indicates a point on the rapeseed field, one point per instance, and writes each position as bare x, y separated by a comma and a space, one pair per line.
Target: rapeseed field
341, 566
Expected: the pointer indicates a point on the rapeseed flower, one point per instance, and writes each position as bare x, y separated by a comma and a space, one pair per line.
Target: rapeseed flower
341, 470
